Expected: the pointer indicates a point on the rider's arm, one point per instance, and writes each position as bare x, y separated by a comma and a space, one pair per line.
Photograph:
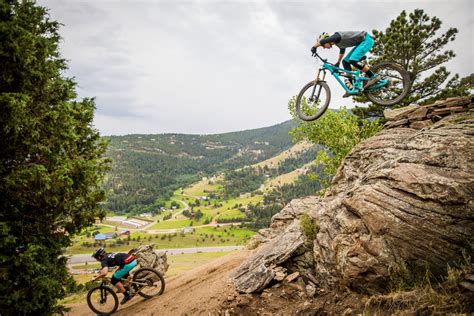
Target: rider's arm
102, 273
317, 44
339, 59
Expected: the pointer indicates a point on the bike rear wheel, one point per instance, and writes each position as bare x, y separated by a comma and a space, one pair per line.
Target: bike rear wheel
148, 282
395, 89
313, 100
102, 300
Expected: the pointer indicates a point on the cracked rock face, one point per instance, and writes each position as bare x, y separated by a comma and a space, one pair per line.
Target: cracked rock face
405, 195
260, 269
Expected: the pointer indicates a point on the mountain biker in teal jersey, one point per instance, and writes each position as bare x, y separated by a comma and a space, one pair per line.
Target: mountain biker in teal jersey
361, 42
124, 261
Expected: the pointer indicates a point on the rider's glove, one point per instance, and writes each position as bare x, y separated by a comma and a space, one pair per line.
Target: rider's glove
313, 50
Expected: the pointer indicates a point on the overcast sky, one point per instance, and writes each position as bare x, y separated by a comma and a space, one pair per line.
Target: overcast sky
216, 66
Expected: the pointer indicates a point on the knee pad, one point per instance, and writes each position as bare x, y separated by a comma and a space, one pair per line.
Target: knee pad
357, 64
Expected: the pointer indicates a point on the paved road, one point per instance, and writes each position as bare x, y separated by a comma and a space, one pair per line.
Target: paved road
83, 258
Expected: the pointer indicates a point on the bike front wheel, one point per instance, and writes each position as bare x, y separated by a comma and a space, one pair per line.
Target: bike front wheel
313, 100
102, 300
393, 86
148, 282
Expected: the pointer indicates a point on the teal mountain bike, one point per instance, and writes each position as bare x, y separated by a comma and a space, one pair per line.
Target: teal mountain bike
313, 100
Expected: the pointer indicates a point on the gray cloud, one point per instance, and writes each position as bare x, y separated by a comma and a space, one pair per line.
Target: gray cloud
215, 66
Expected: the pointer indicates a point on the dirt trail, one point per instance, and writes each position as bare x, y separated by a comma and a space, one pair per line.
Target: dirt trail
195, 292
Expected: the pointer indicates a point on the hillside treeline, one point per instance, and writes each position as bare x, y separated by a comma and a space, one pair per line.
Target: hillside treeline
147, 169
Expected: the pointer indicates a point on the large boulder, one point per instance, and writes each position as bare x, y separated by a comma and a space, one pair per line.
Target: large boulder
402, 198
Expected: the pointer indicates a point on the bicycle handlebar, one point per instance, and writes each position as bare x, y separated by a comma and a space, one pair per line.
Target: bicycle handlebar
316, 55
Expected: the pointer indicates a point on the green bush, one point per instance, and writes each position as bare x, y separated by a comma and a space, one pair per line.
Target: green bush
309, 226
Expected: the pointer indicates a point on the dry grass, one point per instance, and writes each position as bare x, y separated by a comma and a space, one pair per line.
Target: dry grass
427, 297
273, 161
424, 300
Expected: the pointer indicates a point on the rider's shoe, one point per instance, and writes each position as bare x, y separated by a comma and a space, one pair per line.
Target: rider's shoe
126, 297
371, 81
346, 95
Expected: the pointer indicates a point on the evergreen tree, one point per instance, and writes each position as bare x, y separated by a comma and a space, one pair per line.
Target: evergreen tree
51, 163
412, 41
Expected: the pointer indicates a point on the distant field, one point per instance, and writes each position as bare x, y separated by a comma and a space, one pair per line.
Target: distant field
232, 213
228, 210
226, 230
201, 237
169, 224
273, 162
286, 178
197, 189
244, 200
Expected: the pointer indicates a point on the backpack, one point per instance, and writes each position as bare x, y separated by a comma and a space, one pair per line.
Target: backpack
148, 258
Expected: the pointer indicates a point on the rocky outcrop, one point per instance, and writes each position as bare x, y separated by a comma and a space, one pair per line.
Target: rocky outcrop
402, 198
419, 117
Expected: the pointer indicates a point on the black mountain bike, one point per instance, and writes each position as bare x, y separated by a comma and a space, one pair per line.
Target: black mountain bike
393, 85
146, 282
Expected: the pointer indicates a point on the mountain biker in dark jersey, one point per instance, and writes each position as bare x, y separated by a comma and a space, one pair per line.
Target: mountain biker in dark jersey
124, 261
361, 42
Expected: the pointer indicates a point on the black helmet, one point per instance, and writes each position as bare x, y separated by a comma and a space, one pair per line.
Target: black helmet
99, 253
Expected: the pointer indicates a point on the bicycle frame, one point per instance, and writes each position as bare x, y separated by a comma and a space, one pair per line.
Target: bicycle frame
336, 72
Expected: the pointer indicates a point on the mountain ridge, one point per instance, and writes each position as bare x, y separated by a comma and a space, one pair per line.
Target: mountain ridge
204, 134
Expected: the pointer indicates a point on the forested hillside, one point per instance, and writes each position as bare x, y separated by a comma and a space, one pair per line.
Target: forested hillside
148, 168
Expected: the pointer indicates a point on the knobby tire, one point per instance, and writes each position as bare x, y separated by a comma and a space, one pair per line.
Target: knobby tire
136, 276
323, 107
110, 291
372, 95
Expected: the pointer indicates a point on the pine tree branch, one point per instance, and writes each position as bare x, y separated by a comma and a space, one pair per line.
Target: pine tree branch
435, 62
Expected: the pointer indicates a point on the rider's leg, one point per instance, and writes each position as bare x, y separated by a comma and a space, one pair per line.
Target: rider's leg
120, 287
347, 66
120, 274
116, 281
358, 52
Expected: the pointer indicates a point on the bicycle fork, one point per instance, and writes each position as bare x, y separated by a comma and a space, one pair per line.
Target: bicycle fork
103, 295
315, 81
